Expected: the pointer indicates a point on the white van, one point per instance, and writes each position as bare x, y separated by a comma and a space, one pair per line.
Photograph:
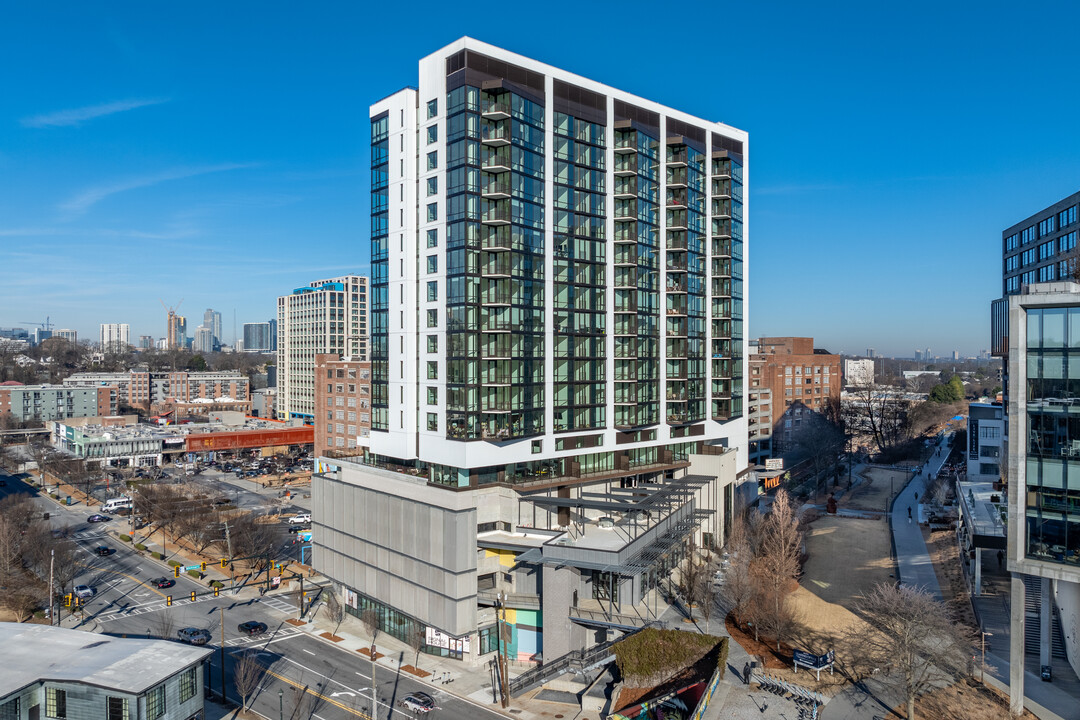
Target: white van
117, 503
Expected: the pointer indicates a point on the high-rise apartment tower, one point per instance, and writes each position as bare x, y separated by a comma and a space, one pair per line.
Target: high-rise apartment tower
557, 355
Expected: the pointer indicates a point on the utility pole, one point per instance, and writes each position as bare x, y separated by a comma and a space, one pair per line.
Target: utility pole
52, 600
300, 601
221, 612
500, 620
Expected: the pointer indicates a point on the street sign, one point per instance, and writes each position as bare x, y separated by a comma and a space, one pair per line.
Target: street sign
774, 463
813, 662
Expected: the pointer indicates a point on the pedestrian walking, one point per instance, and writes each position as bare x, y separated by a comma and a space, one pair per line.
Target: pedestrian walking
746, 674
909, 515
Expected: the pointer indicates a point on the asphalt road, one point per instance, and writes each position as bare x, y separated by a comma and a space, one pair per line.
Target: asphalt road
316, 678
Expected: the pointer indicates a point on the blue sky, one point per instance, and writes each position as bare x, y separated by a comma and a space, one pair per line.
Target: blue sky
216, 152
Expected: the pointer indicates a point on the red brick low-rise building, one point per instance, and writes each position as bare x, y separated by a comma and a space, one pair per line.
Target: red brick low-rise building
800, 378
342, 404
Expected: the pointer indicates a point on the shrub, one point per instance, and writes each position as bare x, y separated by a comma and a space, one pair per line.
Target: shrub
174, 563
195, 574
721, 656
156, 555
651, 656
140, 546
216, 584
125, 538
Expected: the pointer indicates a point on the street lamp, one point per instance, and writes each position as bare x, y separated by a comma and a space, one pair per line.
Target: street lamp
281, 704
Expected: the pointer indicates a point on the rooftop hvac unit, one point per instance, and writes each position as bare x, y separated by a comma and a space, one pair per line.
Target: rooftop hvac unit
606, 522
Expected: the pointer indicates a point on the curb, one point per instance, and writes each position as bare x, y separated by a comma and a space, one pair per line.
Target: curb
463, 698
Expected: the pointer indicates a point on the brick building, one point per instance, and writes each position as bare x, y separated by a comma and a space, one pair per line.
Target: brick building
800, 378
141, 388
342, 404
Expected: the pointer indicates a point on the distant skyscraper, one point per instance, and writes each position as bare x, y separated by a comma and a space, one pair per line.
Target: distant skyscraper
204, 340
115, 337
146, 342
72, 336
176, 332
918, 355
260, 337
927, 355
870, 352
212, 320
955, 354
41, 335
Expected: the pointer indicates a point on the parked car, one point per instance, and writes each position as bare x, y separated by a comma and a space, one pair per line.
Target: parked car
252, 627
418, 702
98, 518
84, 592
194, 636
162, 582
293, 529
300, 519
103, 550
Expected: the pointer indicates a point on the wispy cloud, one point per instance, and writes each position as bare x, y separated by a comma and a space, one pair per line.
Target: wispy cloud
77, 116
83, 201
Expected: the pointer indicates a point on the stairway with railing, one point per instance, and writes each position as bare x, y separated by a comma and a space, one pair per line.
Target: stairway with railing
1033, 620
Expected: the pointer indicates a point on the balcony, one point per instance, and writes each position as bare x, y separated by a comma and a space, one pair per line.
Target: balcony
494, 110
496, 190
497, 324
498, 267
496, 215
674, 285
721, 208
496, 134
626, 187
626, 210
676, 178
495, 162
677, 157
626, 256
498, 239
626, 165
497, 297
496, 351
721, 248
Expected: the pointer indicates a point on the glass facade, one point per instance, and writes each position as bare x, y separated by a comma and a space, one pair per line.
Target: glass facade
684, 334
726, 286
637, 279
495, 265
1052, 505
580, 274
380, 288
401, 626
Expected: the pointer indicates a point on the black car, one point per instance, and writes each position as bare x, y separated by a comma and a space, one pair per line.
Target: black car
162, 582
252, 627
98, 518
103, 550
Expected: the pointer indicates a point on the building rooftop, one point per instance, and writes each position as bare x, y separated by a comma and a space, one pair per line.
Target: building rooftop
34, 653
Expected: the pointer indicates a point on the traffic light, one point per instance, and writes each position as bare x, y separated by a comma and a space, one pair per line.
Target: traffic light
224, 563
192, 596
168, 601
216, 590
77, 601
176, 571
203, 566
67, 600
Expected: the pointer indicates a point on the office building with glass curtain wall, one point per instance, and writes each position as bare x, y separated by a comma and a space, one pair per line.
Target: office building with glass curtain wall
557, 356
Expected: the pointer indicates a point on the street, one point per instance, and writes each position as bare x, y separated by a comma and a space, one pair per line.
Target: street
315, 677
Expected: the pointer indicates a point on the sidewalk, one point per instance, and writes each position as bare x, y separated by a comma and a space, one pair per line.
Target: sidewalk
913, 560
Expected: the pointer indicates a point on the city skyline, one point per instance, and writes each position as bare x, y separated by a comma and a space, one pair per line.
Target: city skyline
256, 164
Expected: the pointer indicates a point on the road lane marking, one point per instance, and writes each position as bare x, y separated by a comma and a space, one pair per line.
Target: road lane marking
319, 695
307, 651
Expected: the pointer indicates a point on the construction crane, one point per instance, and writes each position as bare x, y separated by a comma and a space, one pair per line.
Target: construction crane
43, 325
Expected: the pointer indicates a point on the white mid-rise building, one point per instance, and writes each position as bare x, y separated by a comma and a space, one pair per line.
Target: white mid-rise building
115, 337
327, 316
858, 372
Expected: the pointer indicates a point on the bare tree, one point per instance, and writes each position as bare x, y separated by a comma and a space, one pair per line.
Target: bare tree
915, 636
416, 642
737, 590
335, 610
370, 620
690, 574
164, 624
247, 674
776, 563
878, 411
252, 539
